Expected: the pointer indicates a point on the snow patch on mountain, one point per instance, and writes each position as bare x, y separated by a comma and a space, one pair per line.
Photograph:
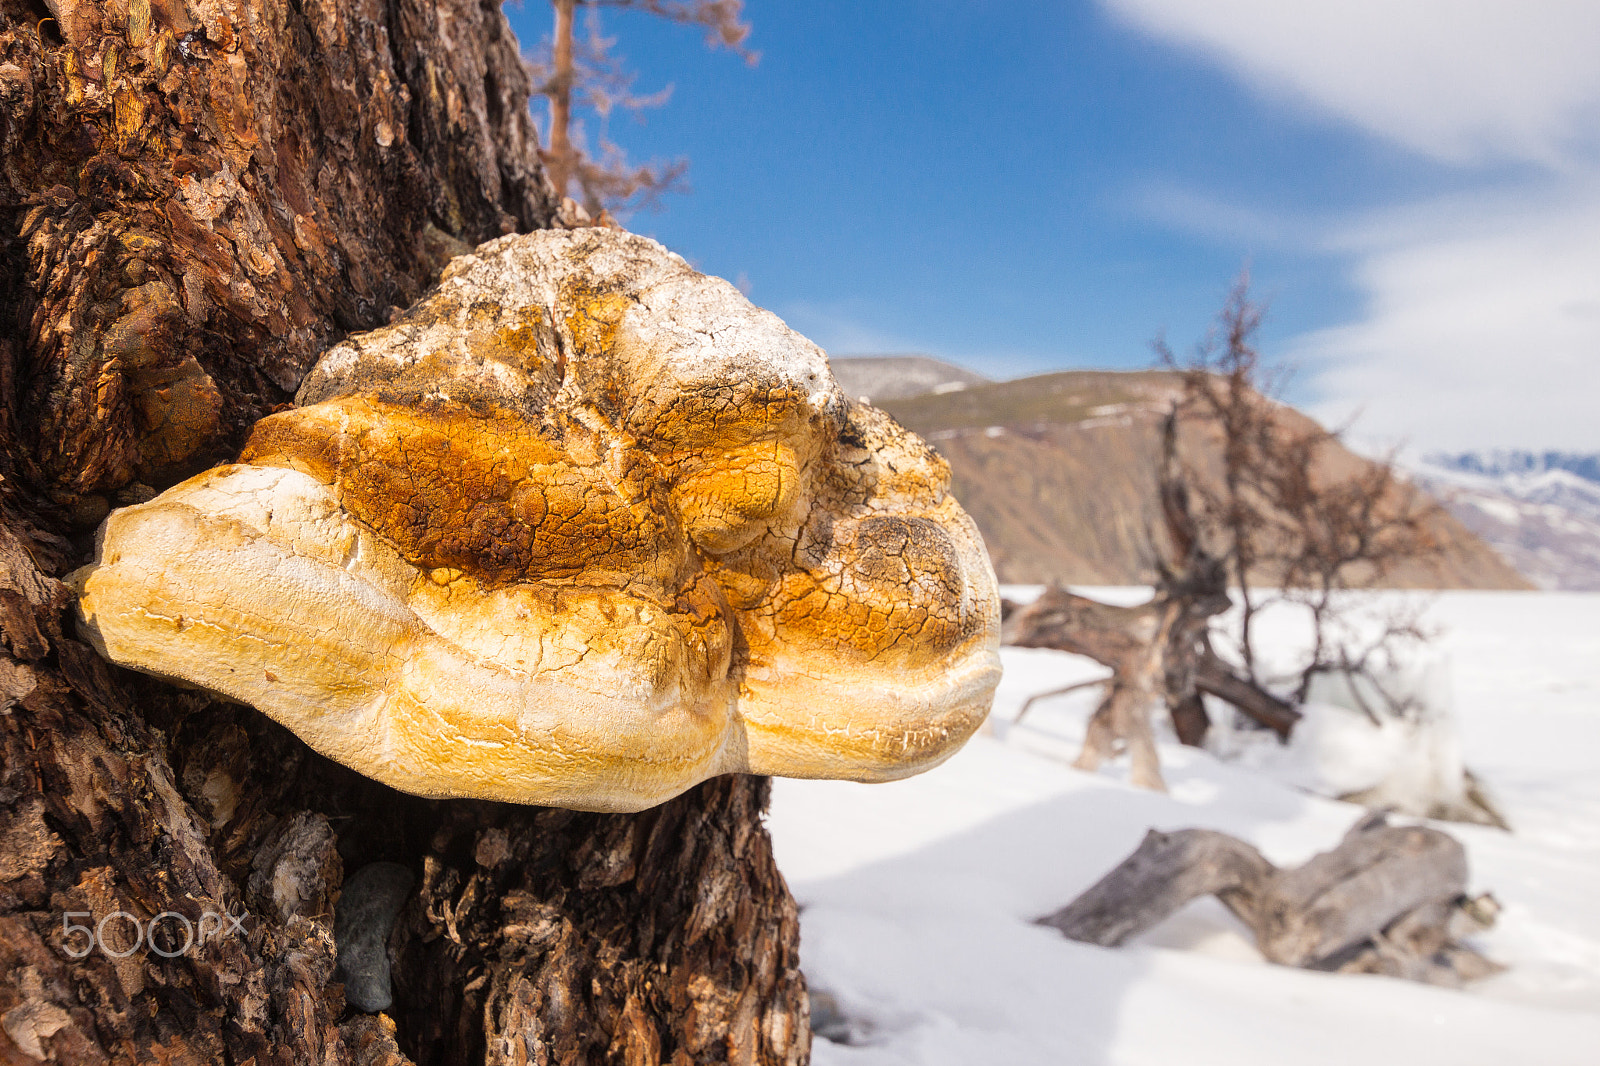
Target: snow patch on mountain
1540, 511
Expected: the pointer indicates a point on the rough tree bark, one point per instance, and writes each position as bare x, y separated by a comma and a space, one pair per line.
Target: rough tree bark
197, 197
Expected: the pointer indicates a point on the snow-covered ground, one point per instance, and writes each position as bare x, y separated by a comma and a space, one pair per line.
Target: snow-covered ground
918, 896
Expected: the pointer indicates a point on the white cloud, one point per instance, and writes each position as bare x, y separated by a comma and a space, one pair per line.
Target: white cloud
1482, 319
1482, 326
1458, 80
1184, 209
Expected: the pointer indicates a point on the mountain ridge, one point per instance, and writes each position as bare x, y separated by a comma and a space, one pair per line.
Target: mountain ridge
893, 377
1058, 471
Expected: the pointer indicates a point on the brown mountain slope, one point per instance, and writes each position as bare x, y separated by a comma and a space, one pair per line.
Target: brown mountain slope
1059, 473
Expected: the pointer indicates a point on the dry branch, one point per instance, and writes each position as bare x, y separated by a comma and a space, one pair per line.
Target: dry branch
1062, 691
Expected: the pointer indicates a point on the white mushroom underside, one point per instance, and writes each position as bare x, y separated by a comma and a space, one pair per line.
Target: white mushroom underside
283, 602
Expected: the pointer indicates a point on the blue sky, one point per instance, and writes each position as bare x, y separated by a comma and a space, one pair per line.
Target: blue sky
1036, 185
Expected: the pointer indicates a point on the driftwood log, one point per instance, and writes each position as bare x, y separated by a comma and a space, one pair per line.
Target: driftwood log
196, 198
1388, 900
1158, 652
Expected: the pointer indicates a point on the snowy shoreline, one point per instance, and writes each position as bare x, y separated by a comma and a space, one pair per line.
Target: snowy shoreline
918, 896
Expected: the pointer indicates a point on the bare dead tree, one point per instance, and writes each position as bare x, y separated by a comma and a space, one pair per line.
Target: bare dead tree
1348, 533
1287, 513
1223, 387
581, 74
1159, 651
1254, 497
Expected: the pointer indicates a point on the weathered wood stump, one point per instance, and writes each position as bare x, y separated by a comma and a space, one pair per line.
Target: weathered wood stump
1158, 652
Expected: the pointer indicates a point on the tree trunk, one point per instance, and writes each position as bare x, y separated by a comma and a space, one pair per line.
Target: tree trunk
560, 157
196, 198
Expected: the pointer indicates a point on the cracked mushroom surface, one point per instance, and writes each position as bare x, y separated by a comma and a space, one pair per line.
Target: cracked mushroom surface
582, 528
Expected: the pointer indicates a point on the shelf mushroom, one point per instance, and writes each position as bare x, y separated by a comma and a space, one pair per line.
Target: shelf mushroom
582, 528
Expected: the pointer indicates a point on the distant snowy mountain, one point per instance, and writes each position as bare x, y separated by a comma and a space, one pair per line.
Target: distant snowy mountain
1540, 510
1502, 463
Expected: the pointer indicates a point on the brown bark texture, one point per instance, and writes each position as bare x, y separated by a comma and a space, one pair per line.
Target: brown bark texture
196, 198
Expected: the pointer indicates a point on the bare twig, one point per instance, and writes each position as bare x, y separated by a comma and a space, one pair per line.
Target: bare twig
1029, 702
580, 73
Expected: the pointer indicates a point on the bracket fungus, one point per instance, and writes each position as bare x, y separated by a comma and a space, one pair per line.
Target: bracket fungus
581, 528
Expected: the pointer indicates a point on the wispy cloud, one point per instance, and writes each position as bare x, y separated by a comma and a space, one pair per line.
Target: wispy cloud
1459, 80
1481, 320
1481, 329
1206, 215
